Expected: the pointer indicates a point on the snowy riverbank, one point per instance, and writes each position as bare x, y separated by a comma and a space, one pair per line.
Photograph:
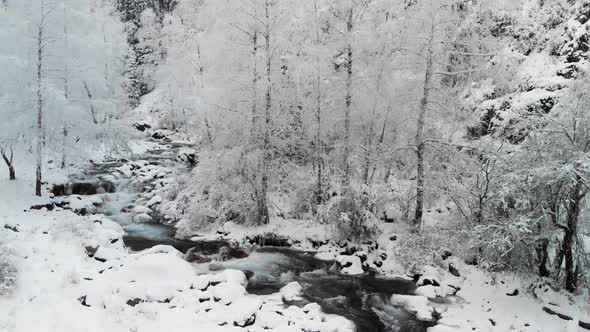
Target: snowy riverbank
74, 274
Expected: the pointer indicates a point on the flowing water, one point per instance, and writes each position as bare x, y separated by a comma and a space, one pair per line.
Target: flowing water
363, 299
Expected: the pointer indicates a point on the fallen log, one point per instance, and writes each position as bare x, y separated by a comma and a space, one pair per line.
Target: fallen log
584, 322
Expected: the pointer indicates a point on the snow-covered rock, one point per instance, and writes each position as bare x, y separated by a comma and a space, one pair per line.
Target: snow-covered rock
139, 209
142, 218
350, 264
291, 291
415, 304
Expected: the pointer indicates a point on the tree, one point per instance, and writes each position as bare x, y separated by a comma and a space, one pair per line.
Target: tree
8, 157
41, 42
60, 111
436, 22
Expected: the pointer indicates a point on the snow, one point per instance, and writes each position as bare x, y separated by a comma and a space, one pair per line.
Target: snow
415, 304
292, 291
141, 218
138, 209
483, 298
153, 290
354, 262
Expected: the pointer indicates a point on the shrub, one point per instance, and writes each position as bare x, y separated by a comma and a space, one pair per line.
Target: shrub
8, 271
506, 246
351, 215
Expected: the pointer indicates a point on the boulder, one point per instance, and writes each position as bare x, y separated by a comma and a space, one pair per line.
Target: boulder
142, 218
141, 126
192, 256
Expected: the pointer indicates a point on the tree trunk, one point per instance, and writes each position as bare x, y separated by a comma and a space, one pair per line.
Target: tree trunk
66, 70
92, 109
64, 143
9, 162
254, 86
319, 159
318, 115
418, 214
348, 101
40, 133
543, 254
573, 212
209, 134
263, 203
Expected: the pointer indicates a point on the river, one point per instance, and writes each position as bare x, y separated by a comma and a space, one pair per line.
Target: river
364, 299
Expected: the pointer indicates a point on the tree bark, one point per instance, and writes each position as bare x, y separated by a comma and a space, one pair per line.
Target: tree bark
40, 133
209, 134
8, 159
262, 199
66, 70
92, 109
348, 100
418, 214
573, 213
254, 85
318, 115
64, 143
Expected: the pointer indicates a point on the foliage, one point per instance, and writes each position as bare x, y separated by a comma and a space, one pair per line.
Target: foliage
8, 271
351, 214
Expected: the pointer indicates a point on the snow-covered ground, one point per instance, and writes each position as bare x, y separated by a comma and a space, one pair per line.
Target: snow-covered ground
74, 274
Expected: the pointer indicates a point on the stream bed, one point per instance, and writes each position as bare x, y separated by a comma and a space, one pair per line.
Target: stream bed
364, 299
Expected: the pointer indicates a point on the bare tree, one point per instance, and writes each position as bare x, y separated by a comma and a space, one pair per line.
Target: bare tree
318, 113
41, 41
64, 131
269, 21
252, 31
419, 140
351, 15
8, 157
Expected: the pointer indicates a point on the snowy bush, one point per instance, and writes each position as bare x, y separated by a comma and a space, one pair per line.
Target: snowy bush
506, 245
351, 214
416, 250
8, 271
221, 188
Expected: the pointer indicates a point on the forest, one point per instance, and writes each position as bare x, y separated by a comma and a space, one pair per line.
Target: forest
285, 165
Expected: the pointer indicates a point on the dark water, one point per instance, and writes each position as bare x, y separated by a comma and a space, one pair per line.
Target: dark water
144, 236
364, 299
